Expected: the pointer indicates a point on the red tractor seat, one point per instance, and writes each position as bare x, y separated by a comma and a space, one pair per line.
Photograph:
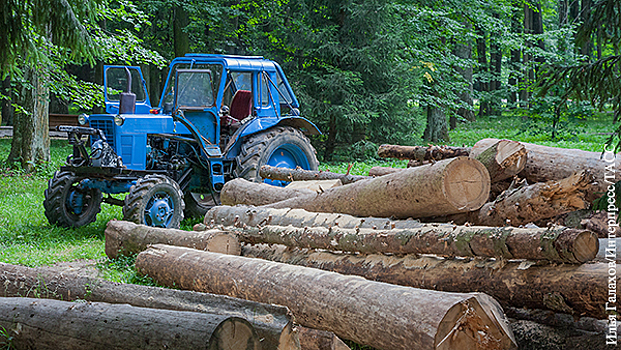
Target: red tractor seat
241, 105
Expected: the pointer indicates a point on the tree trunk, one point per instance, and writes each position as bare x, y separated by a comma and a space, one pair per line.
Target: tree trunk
464, 51
7, 107
331, 141
273, 324
536, 202
126, 238
314, 339
448, 240
484, 81
550, 163
242, 191
574, 289
528, 75
54, 324
382, 170
31, 140
495, 105
503, 159
285, 174
449, 186
370, 313
437, 128
252, 216
585, 13
181, 20
421, 153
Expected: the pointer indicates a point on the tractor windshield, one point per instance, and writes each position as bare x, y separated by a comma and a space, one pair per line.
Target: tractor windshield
215, 74
194, 88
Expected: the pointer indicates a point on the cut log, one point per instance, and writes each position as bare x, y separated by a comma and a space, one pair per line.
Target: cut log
260, 216
502, 158
447, 187
382, 170
284, 174
315, 339
127, 238
242, 191
533, 335
273, 324
314, 185
555, 244
370, 313
539, 201
54, 324
551, 163
580, 290
421, 153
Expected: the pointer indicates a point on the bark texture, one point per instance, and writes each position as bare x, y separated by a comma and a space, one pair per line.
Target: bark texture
533, 203
125, 238
370, 313
284, 174
242, 191
554, 244
261, 216
273, 324
55, 324
502, 158
421, 153
314, 339
449, 186
551, 163
580, 290
382, 170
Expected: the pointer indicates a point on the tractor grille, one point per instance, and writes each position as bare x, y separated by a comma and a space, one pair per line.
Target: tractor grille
107, 126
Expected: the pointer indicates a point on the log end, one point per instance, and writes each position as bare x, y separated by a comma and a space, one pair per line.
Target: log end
112, 239
224, 243
512, 156
476, 323
466, 184
234, 333
577, 246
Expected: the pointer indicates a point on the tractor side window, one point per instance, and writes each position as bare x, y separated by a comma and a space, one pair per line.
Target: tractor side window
194, 88
116, 81
285, 96
242, 80
265, 92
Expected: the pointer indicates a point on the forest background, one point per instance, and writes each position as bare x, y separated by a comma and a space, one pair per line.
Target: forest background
366, 72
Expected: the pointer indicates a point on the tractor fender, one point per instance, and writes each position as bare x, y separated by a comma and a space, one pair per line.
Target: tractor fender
261, 124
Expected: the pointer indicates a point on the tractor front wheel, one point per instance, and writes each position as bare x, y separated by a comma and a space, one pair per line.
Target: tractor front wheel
283, 147
67, 204
155, 200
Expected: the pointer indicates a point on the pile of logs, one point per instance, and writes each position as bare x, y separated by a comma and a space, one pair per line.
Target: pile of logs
453, 252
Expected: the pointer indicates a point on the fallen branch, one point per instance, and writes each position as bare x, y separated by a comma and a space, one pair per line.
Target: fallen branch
284, 174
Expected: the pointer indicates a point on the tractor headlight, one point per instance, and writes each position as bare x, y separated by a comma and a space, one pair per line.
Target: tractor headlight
118, 120
83, 119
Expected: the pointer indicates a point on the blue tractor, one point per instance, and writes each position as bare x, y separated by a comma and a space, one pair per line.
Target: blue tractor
220, 117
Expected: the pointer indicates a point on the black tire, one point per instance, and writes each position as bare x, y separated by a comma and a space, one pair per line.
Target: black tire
64, 190
198, 204
159, 191
258, 148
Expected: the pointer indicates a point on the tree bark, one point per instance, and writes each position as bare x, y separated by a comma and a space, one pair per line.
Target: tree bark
370, 313
554, 244
421, 153
314, 339
284, 174
55, 324
181, 20
437, 127
126, 238
448, 186
242, 191
574, 289
331, 141
273, 324
536, 202
382, 170
7, 107
31, 139
463, 50
253, 216
484, 80
503, 159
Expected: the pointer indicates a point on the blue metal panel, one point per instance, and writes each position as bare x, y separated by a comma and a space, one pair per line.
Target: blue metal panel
206, 123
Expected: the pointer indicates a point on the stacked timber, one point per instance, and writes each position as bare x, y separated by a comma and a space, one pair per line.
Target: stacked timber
380, 315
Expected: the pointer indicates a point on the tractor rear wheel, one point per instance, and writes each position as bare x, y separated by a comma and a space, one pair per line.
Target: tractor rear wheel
155, 200
197, 204
284, 147
67, 204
